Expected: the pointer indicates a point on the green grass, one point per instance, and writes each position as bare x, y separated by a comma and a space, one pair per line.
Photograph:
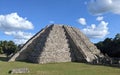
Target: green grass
59, 69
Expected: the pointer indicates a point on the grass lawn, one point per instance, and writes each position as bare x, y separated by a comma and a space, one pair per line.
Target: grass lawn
70, 68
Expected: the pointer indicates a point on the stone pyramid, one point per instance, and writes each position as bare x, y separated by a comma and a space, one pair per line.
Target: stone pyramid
58, 43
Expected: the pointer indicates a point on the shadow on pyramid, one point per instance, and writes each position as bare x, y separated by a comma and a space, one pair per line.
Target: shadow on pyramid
58, 43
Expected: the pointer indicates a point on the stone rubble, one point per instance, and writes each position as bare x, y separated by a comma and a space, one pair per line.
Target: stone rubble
19, 70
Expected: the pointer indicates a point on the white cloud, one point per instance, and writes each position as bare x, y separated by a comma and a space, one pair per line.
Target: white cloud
98, 7
14, 22
19, 36
96, 31
20, 41
82, 21
14, 25
99, 18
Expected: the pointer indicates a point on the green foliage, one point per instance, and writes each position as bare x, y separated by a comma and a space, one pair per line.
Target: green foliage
110, 46
117, 36
1, 50
7, 47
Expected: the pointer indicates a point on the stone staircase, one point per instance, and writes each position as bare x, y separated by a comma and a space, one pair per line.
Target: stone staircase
78, 53
56, 47
81, 45
87, 42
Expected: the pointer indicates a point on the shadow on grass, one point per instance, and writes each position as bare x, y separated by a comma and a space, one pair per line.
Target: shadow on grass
107, 65
4, 59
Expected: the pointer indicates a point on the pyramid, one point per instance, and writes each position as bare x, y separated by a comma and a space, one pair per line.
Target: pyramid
58, 43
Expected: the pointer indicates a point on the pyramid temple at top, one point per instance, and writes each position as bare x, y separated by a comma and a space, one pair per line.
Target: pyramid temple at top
58, 43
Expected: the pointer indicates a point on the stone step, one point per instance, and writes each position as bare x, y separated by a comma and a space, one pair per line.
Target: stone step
76, 49
84, 46
90, 45
80, 44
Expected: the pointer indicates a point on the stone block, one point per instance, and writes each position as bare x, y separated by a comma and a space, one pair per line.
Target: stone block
19, 70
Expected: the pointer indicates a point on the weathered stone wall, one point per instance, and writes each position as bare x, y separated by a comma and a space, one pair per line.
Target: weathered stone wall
56, 47
58, 43
36, 48
29, 46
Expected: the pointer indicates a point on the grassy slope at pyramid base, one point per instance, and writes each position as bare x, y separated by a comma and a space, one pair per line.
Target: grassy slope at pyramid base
59, 69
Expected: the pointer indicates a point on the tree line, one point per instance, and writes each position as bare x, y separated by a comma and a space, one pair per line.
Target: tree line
110, 46
8, 47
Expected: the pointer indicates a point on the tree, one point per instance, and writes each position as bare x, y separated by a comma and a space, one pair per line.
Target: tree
117, 36
11, 47
110, 46
100, 46
8, 47
1, 50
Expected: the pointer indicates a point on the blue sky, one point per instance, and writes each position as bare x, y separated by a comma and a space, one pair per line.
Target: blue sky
21, 19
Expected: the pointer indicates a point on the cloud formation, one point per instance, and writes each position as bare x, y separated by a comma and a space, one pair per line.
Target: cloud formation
98, 7
82, 21
19, 36
14, 25
96, 31
99, 18
14, 22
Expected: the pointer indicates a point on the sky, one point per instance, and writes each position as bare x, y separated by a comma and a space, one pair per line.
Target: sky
21, 19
